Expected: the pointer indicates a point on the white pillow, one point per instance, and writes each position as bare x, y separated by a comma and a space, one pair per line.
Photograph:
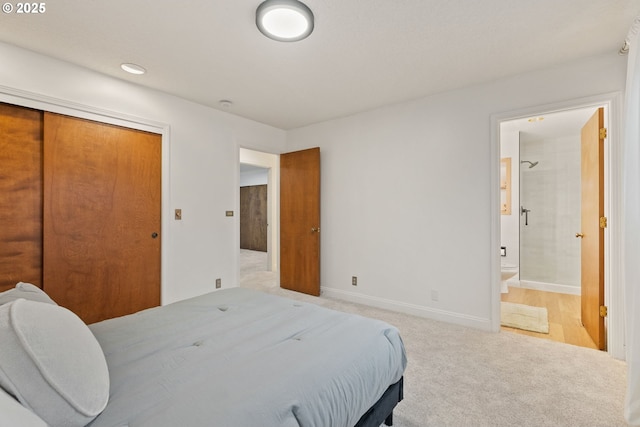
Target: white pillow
51, 362
12, 413
26, 291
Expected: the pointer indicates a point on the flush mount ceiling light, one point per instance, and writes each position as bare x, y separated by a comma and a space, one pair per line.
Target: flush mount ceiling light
133, 68
284, 20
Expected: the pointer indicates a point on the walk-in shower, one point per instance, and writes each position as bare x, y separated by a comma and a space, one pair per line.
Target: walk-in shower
549, 211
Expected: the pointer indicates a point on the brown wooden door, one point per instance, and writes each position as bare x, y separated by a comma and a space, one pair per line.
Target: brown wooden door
300, 221
592, 245
253, 217
101, 217
20, 196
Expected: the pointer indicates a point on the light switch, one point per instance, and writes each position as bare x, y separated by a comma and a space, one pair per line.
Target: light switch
229, 213
178, 214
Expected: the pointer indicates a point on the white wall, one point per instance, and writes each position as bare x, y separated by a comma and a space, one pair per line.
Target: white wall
200, 165
254, 177
406, 191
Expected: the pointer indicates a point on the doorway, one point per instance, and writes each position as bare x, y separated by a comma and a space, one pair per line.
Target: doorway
293, 249
259, 181
538, 232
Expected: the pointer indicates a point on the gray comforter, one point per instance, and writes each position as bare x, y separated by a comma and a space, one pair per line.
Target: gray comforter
242, 358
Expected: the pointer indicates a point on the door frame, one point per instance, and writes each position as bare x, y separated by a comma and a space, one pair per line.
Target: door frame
60, 106
613, 284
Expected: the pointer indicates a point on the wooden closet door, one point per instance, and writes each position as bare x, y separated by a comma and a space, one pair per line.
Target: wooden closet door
253, 218
102, 192
20, 196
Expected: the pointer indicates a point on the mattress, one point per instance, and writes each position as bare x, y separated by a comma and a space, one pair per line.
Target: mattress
242, 358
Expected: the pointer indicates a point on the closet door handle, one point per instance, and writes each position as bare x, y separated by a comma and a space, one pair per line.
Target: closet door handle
154, 235
580, 235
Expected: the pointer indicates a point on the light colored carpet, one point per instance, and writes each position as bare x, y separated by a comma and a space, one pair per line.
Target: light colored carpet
457, 376
525, 317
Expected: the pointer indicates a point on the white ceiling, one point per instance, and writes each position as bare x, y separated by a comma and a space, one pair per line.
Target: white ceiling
362, 54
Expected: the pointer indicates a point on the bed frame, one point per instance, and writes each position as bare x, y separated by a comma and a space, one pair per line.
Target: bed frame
382, 410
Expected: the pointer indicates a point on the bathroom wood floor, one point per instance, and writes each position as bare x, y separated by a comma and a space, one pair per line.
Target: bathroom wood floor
563, 311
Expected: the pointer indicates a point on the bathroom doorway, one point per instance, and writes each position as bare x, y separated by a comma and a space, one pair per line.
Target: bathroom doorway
549, 201
539, 231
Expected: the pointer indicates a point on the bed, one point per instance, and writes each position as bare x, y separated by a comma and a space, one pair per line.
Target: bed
235, 357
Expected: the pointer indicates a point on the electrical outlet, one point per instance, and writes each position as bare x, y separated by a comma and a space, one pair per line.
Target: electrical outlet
218, 283
354, 281
434, 295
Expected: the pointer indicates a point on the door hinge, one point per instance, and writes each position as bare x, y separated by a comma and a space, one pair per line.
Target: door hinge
603, 133
603, 222
603, 311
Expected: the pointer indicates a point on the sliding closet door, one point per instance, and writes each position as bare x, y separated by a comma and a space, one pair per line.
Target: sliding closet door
101, 217
20, 196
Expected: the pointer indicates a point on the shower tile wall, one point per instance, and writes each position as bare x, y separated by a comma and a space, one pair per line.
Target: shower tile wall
549, 250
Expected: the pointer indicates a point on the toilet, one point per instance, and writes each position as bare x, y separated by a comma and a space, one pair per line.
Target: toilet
507, 271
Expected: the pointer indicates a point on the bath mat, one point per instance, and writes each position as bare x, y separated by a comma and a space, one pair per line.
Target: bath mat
524, 317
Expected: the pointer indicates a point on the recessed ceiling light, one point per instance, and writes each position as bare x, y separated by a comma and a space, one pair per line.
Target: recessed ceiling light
225, 103
284, 20
133, 68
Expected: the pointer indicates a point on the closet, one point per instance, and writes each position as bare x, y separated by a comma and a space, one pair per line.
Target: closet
80, 211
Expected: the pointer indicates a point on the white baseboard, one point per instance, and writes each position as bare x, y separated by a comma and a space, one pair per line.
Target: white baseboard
550, 287
416, 310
